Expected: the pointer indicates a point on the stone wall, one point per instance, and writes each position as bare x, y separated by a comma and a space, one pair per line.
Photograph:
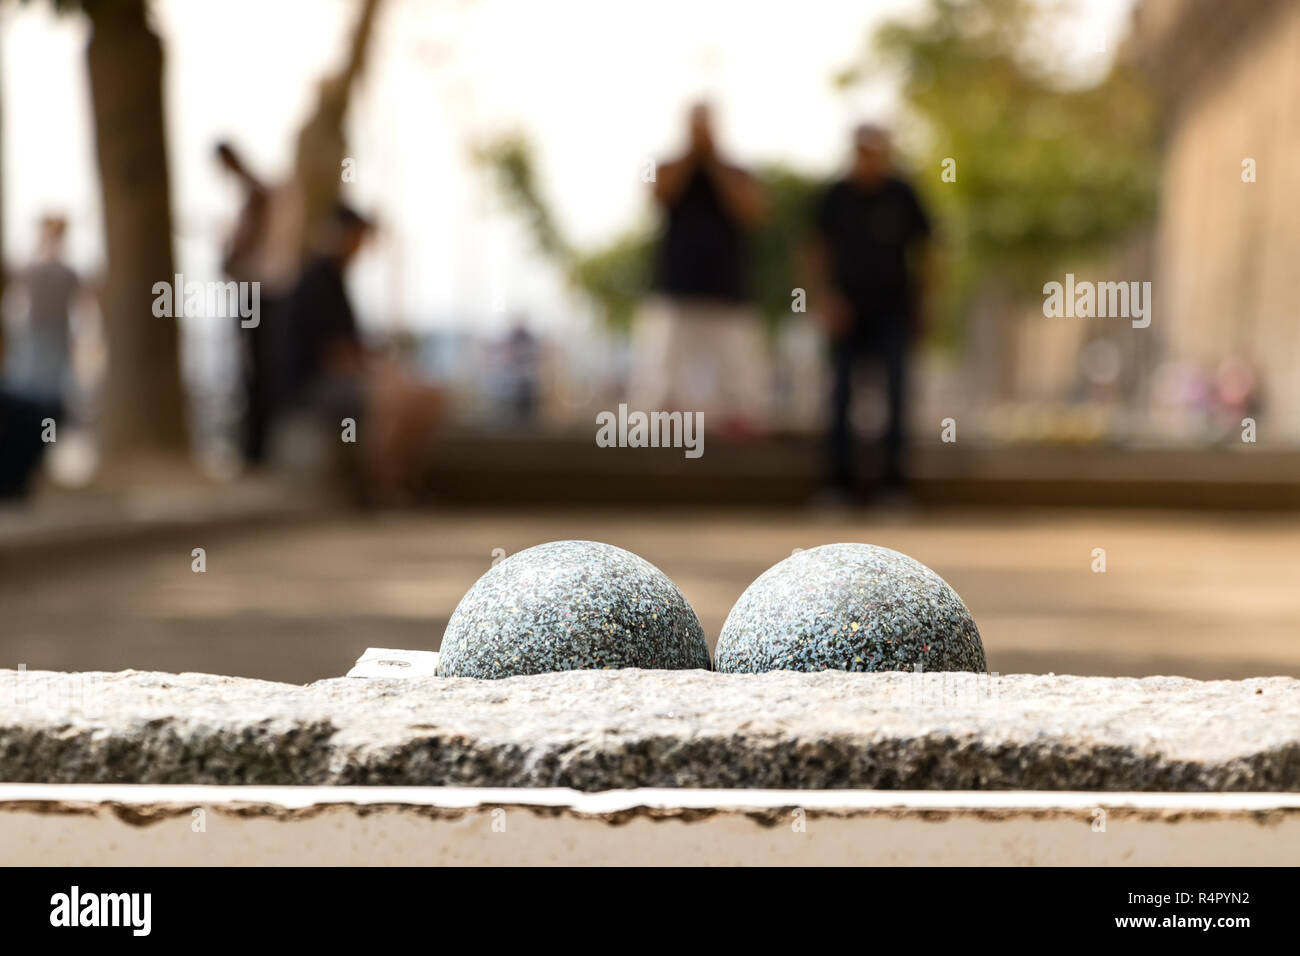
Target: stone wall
604, 730
1229, 75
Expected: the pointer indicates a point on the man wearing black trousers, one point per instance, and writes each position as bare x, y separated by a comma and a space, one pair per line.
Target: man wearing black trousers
870, 258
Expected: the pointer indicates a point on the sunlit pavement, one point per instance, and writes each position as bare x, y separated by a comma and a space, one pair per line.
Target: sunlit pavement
1207, 596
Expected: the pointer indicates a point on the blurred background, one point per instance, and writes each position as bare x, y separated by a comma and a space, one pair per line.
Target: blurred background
456, 214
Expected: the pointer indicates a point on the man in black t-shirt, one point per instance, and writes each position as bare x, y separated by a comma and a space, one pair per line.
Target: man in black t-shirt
321, 353
871, 253
330, 375
698, 344
707, 205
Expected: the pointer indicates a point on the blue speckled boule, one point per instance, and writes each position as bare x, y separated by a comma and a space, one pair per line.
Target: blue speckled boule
849, 607
571, 605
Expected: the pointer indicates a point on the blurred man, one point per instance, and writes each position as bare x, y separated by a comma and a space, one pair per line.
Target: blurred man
869, 263
520, 359
329, 375
698, 344
263, 247
39, 360
320, 342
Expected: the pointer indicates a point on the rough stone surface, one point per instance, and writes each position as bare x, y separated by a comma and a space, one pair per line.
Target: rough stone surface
571, 605
597, 730
849, 607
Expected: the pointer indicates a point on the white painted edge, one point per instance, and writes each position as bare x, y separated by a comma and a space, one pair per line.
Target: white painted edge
612, 801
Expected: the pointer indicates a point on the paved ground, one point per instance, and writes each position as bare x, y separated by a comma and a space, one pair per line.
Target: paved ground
1185, 594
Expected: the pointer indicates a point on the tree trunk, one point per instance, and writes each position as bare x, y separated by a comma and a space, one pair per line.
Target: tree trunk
321, 145
143, 415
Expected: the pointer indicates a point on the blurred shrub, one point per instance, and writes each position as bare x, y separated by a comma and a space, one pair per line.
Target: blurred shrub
1047, 174
617, 275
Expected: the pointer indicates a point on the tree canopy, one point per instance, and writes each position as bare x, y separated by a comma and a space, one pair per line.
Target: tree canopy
1045, 172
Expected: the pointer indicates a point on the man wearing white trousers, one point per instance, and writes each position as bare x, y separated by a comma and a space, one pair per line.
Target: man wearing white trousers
698, 344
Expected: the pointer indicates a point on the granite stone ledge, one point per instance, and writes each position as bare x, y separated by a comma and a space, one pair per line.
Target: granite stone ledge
598, 730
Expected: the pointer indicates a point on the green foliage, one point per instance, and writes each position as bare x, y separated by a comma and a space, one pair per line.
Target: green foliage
775, 245
510, 161
616, 276
1045, 174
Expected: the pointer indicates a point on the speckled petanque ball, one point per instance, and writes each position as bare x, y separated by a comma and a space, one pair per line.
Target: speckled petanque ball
849, 607
571, 605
